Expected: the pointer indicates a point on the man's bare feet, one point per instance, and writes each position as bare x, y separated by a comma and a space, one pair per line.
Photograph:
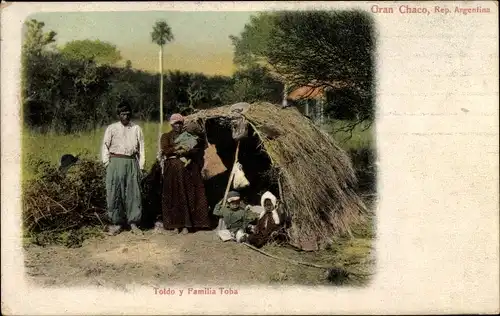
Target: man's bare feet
135, 230
114, 230
184, 231
159, 227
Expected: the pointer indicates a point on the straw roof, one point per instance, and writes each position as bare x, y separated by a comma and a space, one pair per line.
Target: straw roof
316, 176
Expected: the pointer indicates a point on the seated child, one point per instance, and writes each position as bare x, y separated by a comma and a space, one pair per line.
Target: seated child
235, 218
269, 221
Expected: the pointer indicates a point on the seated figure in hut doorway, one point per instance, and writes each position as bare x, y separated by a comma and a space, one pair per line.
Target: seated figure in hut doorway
236, 218
270, 221
184, 204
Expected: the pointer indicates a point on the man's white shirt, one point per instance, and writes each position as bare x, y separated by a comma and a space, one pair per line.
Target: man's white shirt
123, 140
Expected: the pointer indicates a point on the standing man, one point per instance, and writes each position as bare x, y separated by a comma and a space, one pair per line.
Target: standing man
123, 156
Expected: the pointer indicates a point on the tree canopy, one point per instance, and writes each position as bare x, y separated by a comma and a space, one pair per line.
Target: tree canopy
162, 33
72, 89
253, 44
35, 39
328, 49
254, 83
96, 50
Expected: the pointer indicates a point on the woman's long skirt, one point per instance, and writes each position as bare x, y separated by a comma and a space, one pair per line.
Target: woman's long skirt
184, 203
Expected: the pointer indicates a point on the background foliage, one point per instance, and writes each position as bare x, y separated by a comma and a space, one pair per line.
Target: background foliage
77, 86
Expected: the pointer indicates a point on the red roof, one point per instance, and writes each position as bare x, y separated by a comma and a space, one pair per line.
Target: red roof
309, 92
306, 92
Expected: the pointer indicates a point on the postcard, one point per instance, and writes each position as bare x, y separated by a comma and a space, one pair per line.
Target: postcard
250, 158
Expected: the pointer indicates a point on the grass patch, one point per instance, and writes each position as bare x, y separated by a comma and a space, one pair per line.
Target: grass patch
72, 238
352, 256
362, 135
51, 146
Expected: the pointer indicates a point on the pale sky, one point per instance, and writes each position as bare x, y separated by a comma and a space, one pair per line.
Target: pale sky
201, 39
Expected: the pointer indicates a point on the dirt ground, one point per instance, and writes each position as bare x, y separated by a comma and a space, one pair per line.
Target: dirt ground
198, 258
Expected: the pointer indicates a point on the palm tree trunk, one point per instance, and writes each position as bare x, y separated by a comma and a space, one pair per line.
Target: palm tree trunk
161, 96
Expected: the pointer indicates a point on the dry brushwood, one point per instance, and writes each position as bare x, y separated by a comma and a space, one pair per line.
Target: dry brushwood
58, 201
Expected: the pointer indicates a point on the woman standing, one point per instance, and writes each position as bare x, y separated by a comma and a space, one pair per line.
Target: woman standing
184, 204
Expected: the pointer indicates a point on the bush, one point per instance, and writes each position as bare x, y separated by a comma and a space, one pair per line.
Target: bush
67, 208
55, 201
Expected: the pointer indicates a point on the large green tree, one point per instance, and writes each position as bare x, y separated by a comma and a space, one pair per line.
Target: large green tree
327, 49
251, 47
59, 93
35, 39
98, 51
251, 51
35, 43
35, 49
253, 83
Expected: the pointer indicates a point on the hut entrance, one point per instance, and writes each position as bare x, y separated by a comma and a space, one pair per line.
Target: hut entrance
252, 156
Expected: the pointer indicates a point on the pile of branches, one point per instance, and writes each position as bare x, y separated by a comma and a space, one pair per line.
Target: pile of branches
57, 201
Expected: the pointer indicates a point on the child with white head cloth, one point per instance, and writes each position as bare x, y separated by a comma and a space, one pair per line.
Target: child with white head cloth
269, 221
270, 204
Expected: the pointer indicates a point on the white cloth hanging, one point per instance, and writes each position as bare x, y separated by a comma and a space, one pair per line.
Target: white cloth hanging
240, 181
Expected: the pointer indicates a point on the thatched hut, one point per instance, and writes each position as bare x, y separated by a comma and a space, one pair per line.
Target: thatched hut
285, 153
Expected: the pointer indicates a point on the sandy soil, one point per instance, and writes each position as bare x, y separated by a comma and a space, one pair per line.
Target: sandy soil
158, 259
